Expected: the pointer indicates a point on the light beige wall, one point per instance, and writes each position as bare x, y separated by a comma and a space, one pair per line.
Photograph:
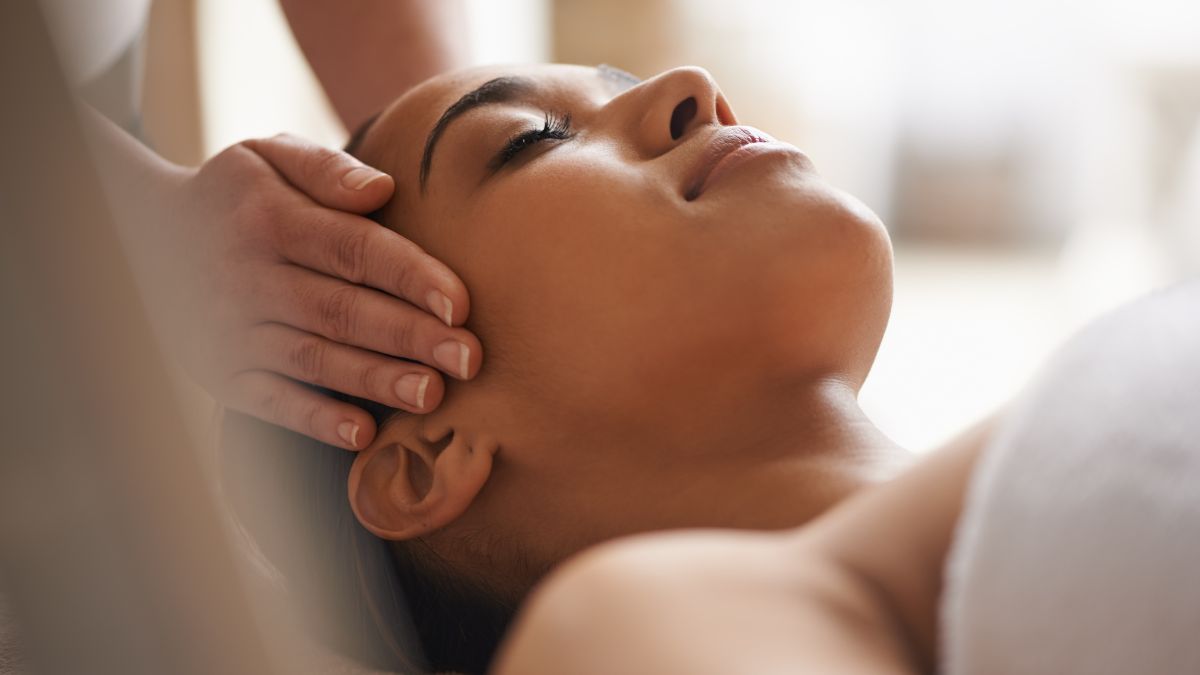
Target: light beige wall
824, 86
255, 80
171, 96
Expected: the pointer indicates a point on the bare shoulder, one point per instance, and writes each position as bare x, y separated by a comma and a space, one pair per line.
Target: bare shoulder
854, 591
656, 603
892, 541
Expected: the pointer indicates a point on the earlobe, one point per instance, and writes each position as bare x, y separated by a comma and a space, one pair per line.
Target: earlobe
412, 483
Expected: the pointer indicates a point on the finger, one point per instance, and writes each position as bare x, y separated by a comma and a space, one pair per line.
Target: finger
332, 178
357, 372
362, 252
363, 317
291, 405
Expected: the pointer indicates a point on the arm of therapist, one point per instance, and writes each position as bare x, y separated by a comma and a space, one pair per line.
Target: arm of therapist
259, 275
368, 52
259, 267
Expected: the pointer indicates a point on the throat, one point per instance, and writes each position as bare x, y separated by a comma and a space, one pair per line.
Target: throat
792, 465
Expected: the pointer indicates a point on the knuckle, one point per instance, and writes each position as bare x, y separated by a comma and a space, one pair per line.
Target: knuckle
279, 141
409, 250
251, 216
274, 222
275, 405
307, 358
232, 166
336, 311
416, 269
404, 275
252, 228
238, 152
272, 405
370, 380
319, 162
404, 335
350, 256
309, 419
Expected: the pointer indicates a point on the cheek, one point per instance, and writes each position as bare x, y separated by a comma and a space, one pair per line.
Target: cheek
827, 270
594, 284
594, 288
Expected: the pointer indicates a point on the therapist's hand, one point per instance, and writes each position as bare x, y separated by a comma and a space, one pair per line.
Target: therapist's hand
279, 281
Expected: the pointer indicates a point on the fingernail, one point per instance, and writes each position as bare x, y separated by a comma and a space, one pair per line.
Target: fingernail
360, 177
453, 357
348, 431
411, 389
441, 306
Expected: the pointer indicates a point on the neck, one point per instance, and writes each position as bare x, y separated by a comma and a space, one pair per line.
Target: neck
791, 463
776, 464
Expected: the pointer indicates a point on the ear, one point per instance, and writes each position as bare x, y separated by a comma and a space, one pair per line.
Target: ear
418, 477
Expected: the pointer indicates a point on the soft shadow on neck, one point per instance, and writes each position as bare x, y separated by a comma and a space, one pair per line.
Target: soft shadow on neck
788, 467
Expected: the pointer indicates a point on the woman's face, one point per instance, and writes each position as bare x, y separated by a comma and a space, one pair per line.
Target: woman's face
642, 271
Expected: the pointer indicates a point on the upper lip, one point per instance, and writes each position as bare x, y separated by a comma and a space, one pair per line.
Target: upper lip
722, 142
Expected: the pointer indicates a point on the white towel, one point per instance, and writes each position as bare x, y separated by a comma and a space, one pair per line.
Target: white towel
1079, 546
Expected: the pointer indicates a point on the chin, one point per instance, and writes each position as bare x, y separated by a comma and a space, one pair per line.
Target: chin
834, 289
862, 213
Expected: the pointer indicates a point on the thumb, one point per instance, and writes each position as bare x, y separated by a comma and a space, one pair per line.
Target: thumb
331, 178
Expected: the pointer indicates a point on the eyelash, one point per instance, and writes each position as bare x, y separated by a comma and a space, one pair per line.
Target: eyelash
557, 127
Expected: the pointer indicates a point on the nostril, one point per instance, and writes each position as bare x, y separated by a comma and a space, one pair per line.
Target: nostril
684, 113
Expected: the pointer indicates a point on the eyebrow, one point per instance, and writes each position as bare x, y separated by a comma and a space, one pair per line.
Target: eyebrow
494, 91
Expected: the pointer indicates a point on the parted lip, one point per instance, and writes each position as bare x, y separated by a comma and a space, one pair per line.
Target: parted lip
720, 144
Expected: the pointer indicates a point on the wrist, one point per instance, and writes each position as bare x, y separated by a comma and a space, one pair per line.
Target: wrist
135, 179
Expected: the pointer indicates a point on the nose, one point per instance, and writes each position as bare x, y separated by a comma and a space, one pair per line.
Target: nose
666, 109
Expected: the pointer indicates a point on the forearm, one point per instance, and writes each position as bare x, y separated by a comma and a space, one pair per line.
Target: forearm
137, 183
234, 262
368, 52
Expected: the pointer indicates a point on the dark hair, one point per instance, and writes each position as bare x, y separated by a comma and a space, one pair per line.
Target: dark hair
459, 618
389, 605
354, 145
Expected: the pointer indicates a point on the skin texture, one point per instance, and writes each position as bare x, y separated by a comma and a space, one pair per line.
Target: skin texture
368, 52
653, 361
258, 273
856, 591
261, 271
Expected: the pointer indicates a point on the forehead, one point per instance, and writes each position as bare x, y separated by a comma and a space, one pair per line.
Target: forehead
397, 138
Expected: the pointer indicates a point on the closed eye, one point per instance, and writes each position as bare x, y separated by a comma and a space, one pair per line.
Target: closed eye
556, 127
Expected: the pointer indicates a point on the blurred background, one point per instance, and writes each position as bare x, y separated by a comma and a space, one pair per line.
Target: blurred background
1036, 161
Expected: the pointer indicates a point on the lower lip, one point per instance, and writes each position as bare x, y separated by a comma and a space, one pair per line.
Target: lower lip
740, 157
